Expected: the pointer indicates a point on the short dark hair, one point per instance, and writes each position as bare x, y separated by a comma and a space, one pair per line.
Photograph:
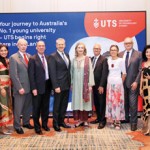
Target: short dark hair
144, 52
114, 46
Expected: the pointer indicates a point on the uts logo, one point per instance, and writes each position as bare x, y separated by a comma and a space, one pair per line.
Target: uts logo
104, 23
96, 23
115, 26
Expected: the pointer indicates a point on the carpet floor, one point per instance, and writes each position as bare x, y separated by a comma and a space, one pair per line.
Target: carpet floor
77, 139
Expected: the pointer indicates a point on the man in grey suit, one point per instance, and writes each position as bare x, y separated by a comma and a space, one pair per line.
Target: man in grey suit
133, 61
21, 86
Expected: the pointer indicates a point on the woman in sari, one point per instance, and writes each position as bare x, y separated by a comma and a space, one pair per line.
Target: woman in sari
6, 115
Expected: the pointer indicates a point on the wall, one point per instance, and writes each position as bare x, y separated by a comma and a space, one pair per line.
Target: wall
12, 6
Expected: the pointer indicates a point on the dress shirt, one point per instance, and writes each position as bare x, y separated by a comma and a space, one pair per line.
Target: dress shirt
46, 66
23, 55
96, 58
125, 53
60, 53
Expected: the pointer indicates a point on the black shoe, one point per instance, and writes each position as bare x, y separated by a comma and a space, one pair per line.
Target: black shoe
94, 121
28, 126
57, 128
79, 124
19, 131
38, 132
86, 124
101, 126
64, 125
125, 121
46, 128
133, 127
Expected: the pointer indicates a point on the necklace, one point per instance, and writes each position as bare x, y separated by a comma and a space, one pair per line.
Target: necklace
113, 60
79, 61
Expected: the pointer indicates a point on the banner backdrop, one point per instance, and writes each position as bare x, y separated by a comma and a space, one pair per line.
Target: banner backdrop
105, 28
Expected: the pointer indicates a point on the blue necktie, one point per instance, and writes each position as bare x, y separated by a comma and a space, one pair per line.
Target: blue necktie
127, 60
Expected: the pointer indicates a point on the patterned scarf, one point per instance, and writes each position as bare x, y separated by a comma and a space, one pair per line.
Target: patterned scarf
86, 80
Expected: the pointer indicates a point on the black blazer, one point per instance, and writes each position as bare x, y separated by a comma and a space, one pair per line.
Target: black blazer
101, 71
37, 74
59, 73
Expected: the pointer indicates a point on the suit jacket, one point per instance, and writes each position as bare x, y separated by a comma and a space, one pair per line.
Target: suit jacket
59, 73
37, 74
134, 67
100, 71
19, 73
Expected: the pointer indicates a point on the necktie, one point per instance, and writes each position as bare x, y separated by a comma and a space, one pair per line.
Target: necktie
25, 59
127, 60
93, 63
43, 62
64, 58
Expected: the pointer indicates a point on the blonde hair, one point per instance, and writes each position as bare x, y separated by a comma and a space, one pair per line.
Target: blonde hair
80, 43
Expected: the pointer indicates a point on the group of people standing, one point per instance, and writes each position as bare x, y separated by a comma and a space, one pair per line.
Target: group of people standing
120, 87
112, 82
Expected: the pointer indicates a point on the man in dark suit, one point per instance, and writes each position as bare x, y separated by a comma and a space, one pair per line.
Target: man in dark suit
21, 86
100, 67
133, 61
59, 65
40, 86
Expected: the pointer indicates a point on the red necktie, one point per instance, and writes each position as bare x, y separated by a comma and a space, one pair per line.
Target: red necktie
25, 58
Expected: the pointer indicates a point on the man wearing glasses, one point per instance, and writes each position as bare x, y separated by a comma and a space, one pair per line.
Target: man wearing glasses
133, 59
100, 68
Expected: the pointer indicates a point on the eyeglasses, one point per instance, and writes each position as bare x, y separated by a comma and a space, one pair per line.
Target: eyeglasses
96, 48
113, 50
128, 43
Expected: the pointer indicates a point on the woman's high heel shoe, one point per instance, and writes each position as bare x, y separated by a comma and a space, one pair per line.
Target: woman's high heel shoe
79, 124
147, 133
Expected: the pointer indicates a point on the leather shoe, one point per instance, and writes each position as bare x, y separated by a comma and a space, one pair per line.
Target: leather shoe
39, 132
79, 124
125, 121
64, 125
94, 121
19, 131
133, 127
101, 126
28, 126
57, 128
46, 128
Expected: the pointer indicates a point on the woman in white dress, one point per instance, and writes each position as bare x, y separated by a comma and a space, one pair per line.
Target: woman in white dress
115, 90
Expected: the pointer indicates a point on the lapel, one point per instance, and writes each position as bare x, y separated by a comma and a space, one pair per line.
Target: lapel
61, 59
132, 57
68, 60
39, 60
121, 54
97, 62
22, 59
